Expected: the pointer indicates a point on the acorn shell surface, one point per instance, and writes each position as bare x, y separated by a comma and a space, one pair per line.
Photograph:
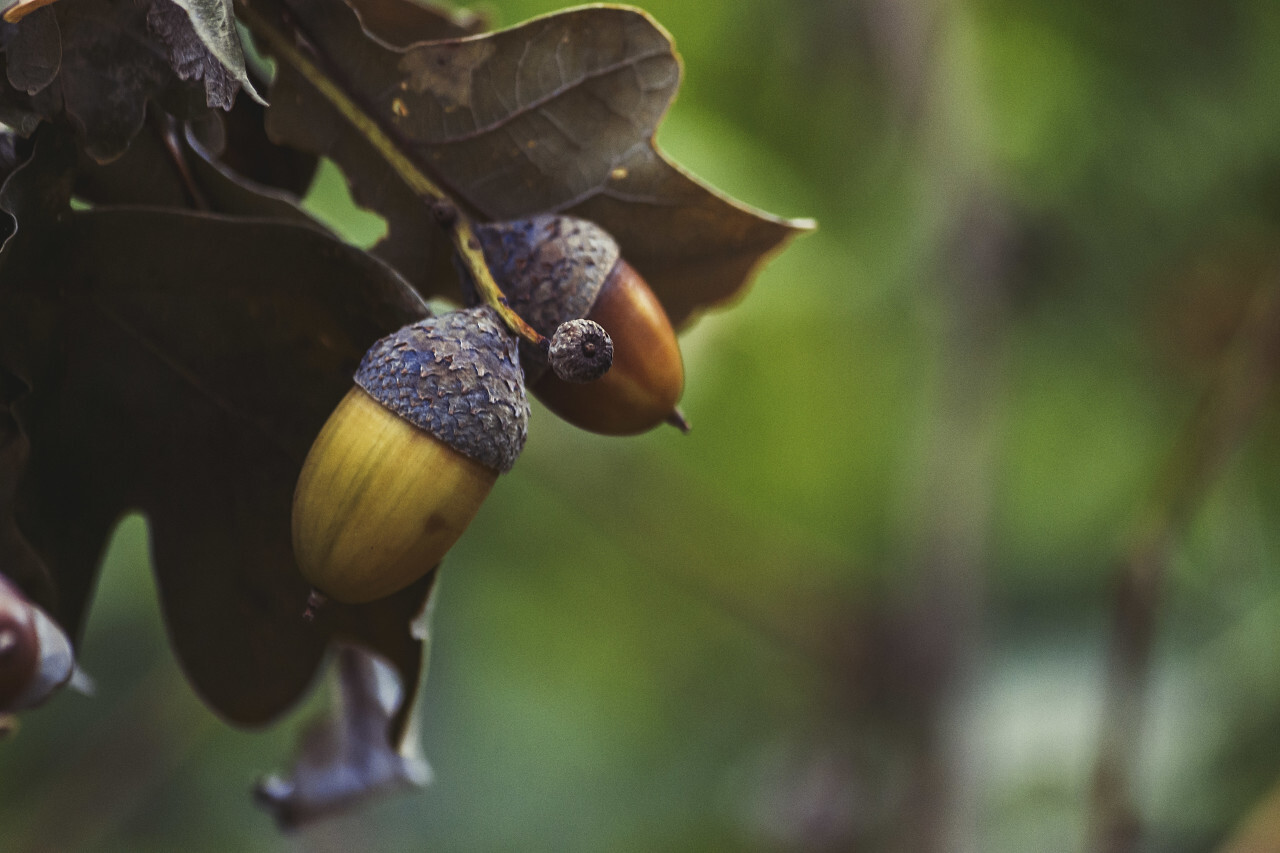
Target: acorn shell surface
646, 380
554, 269
380, 501
457, 376
405, 460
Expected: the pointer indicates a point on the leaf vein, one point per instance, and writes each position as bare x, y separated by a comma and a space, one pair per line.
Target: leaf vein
191, 378
558, 92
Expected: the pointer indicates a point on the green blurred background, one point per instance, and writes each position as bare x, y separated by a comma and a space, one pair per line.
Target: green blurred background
866, 603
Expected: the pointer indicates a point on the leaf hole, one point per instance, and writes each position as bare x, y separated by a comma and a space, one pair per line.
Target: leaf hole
330, 201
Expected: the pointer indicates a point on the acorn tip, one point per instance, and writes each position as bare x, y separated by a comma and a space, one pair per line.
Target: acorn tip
679, 421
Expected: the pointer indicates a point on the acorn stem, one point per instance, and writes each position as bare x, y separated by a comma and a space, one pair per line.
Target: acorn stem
468, 248
679, 421
452, 218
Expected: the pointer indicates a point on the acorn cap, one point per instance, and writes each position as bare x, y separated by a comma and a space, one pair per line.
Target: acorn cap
551, 269
580, 351
457, 377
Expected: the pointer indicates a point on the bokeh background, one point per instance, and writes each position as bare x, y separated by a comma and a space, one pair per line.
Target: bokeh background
870, 603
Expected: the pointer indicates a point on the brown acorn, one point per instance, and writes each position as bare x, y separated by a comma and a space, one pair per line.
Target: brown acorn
404, 462
554, 269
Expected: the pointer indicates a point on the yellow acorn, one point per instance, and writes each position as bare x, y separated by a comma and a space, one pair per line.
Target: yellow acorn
555, 269
402, 465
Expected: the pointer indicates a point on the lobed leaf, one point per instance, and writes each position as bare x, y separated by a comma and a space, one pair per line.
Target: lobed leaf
238, 138
188, 382
401, 23
108, 73
345, 756
96, 63
557, 114
168, 166
34, 52
20, 562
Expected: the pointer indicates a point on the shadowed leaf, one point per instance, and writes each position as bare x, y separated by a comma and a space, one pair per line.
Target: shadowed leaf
557, 114
227, 192
146, 174
16, 109
109, 69
299, 117
34, 52
401, 23
188, 382
110, 66
239, 139
346, 756
166, 166
20, 562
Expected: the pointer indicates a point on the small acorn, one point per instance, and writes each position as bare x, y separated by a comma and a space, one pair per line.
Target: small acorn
554, 269
402, 465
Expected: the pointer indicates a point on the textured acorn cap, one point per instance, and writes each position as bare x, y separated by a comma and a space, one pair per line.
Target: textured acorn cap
581, 351
551, 269
646, 375
456, 376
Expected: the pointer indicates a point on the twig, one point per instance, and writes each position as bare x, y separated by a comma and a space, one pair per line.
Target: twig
1246, 375
166, 128
456, 222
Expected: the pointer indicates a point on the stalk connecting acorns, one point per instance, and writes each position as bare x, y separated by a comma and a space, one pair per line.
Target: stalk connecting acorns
406, 459
557, 269
439, 410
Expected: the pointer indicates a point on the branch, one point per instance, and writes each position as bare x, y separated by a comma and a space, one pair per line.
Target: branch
454, 220
1246, 375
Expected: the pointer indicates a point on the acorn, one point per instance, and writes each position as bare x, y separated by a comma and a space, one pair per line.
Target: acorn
555, 269
402, 465
35, 655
